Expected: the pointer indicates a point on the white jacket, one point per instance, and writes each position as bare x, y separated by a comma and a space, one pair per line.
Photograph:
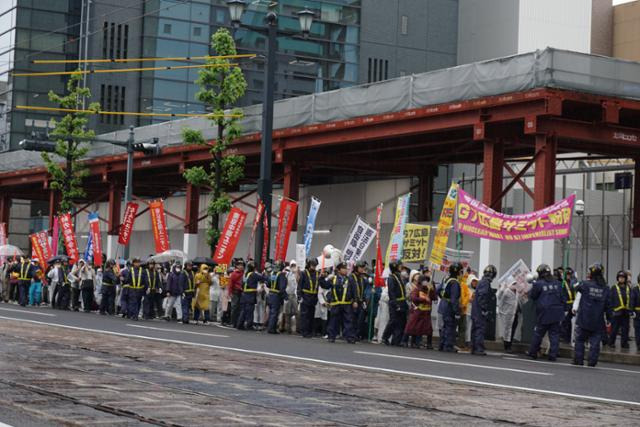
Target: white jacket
507, 301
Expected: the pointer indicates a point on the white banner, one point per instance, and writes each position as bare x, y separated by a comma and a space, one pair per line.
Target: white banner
517, 273
360, 237
454, 255
301, 255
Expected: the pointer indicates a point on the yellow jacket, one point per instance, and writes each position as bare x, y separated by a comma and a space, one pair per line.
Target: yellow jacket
465, 296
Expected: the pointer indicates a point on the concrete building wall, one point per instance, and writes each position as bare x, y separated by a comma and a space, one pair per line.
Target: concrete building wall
626, 31
602, 27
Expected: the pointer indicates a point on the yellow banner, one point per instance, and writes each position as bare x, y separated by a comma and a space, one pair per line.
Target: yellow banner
444, 226
416, 243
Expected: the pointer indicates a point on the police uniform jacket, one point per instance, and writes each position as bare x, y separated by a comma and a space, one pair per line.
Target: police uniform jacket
342, 292
594, 304
635, 302
109, 279
308, 287
25, 271
250, 287
187, 282
278, 286
620, 299
357, 281
550, 301
137, 279
481, 299
155, 281
449, 293
397, 293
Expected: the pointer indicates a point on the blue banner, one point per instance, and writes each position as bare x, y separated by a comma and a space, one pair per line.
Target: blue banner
88, 252
311, 224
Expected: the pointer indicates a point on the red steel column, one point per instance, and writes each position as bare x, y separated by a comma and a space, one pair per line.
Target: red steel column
291, 188
425, 197
191, 209
54, 204
545, 171
115, 203
5, 207
493, 167
636, 199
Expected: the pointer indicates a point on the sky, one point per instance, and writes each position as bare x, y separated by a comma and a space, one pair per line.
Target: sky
616, 2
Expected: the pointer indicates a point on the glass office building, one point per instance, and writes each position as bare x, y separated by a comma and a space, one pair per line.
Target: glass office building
327, 59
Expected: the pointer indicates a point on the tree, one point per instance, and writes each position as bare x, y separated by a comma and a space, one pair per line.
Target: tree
68, 134
221, 86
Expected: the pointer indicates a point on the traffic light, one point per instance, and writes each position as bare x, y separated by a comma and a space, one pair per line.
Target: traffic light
31, 145
148, 147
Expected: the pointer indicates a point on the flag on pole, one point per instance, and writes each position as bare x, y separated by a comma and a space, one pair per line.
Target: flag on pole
379, 281
311, 224
96, 240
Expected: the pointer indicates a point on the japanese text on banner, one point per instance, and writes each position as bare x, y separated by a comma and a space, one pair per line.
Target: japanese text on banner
256, 220
126, 228
444, 226
416, 243
96, 240
286, 220
159, 226
358, 240
394, 250
379, 280
230, 236
70, 243
479, 220
40, 245
311, 224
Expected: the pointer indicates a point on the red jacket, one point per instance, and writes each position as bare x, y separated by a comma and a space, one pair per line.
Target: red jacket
235, 282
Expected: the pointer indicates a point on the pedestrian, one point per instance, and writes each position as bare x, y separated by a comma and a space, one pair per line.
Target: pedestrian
620, 301
224, 312
635, 311
397, 306
290, 309
419, 323
277, 296
14, 281
56, 282
35, 290
25, 273
308, 287
449, 308
568, 282
125, 288
480, 310
507, 308
321, 314
152, 303
86, 277
357, 279
549, 298
247, 298
74, 279
64, 295
235, 291
4, 280
108, 289
138, 282
382, 316
464, 324
202, 298
214, 293
260, 314
174, 293
342, 300
594, 305
187, 282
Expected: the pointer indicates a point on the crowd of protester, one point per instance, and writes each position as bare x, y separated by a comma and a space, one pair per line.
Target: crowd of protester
341, 302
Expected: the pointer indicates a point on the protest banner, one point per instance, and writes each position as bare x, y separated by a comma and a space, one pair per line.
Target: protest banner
394, 250
479, 220
256, 221
126, 228
358, 240
159, 226
301, 256
230, 236
70, 242
286, 219
454, 255
96, 240
378, 279
311, 224
40, 245
517, 273
265, 241
3, 239
416, 243
444, 226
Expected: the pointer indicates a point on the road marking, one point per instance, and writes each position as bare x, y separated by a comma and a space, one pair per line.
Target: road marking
343, 364
4, 425
444, 362
178, 331
28, 312
598, 368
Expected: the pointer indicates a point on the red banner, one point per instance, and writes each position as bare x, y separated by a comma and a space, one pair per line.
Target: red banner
69, 237
3, 233
159, 226
256, 221
265, 241
96, 241
40, 245
286, 220
379, 281
230, 236
126, 228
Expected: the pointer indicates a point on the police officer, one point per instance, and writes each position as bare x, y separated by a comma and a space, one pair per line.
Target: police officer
568, 282
620, 300
138, 282
187, 281
152, 303
25, 273
342, 303
308, 297
125, 288
397, 306
550, 302
635, 311
277, 296
480, 310
449, 308
357, 279
594, 305
248, 298
108, 289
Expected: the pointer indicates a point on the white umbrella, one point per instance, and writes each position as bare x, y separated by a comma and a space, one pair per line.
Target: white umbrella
170, 255
10, 250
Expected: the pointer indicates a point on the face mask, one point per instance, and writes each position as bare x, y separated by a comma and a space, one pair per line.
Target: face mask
427, 279
178, 269
404, 274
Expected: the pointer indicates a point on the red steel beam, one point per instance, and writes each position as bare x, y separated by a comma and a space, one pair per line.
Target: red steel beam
191, 209
545, 171
636, 199
523, 184
493, 164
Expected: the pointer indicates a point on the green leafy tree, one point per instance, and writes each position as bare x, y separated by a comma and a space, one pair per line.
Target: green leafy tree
68, 134
221, 86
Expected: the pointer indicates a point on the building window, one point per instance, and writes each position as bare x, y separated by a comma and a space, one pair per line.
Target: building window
369, 71
125, 45
115, 40
379, 71
167, 29
404, 24
112, 29
197, 31
112, 98
105, 35
386, 69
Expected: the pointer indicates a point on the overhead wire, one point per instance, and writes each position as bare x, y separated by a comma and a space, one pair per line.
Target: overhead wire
124, 113
120, 70
123, 60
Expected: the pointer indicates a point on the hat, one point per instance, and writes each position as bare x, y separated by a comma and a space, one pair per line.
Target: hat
293, 262
413, 273
471, 278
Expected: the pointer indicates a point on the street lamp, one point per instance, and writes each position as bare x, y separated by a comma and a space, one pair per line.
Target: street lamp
265, 184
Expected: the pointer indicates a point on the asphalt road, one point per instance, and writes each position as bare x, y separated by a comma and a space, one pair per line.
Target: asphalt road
606, 383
